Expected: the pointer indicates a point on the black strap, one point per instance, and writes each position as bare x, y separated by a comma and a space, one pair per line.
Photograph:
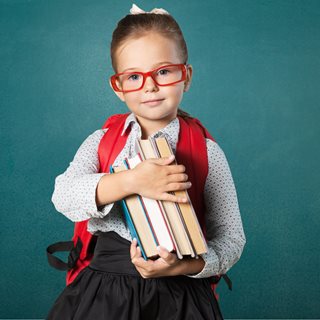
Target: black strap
216, 279
74, 253
227, 281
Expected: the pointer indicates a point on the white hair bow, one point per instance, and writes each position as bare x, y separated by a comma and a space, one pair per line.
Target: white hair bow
136, 10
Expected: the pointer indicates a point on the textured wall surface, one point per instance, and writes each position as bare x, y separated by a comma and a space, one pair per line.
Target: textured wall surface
256, 88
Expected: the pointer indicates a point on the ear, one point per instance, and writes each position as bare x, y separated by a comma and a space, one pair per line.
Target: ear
119, 94
187, 82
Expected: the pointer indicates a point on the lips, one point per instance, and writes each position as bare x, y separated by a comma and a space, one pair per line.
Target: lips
153, 102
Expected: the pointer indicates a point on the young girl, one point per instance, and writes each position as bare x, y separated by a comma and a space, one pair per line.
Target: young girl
149, 57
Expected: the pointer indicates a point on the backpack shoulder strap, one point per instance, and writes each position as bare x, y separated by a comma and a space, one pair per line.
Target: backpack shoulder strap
110, 145
192, 152
113, 141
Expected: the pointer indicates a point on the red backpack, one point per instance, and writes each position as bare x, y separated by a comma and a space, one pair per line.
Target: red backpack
191, 152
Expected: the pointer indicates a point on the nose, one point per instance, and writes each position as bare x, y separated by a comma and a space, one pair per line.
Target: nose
150, 85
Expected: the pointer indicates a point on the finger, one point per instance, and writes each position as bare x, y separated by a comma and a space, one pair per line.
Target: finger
178, 177
162, 161
133, 247
163, 252
138, 260
138, 254
176, 186
177, 168
166, 255
173, 198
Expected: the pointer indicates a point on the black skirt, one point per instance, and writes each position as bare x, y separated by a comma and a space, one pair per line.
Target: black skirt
111, 288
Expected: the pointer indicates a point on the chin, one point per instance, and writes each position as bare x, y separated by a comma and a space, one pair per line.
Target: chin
163, 117
157, 115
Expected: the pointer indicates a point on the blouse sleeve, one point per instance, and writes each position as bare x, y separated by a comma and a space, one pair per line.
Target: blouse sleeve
225, 235
75, 190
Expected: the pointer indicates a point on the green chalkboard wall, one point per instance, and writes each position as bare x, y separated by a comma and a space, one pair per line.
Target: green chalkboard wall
255, 86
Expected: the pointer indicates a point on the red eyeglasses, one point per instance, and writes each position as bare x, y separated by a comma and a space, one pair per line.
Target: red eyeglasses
162, 76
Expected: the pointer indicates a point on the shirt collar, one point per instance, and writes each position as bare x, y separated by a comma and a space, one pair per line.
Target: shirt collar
130, 119
169, 130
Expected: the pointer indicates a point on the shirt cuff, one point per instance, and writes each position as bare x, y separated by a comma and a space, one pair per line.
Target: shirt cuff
89, 205
77, 199
211, 265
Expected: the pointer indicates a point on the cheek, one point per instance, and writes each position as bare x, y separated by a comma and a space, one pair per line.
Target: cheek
176, 92
132, 98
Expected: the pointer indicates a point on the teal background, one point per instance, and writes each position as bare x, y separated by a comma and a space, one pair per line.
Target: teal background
255, 87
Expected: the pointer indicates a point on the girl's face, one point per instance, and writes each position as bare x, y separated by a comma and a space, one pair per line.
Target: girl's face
154, 106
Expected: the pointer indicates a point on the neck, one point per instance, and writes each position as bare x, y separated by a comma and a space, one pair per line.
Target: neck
148, 127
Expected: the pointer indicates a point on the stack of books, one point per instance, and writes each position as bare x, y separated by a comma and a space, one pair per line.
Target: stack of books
171, 225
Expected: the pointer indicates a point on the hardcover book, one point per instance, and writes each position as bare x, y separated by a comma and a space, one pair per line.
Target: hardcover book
155, 214
137, 222
176, 222
186, 209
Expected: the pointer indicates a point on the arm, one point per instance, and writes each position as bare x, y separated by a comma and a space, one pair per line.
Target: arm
167, 264
225, 235
75, 190
81, 191
153, 178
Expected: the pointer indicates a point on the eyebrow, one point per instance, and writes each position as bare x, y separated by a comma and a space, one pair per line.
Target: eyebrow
153, 67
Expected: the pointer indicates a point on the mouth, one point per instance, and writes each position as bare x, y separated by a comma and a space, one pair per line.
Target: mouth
153, 102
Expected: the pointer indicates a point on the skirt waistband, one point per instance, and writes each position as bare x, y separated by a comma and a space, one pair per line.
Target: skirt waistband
112, 255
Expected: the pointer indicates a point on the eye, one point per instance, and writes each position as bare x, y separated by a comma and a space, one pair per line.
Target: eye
133, 77
163, 72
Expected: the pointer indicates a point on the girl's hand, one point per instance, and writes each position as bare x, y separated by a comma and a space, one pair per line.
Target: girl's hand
155, 178
166, 265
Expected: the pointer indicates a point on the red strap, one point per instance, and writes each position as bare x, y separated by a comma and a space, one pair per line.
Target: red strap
107, 153
192, 153
112, 142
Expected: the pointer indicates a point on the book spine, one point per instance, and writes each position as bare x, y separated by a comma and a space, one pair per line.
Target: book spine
149, 220
148, 149
132, 228
160, 208
130, 223
187, 238
186, 209
126, 163
170, 230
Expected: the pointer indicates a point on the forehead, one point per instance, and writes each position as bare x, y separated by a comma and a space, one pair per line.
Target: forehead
146, 51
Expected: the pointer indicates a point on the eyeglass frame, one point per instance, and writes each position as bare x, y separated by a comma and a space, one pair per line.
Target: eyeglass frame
149, 74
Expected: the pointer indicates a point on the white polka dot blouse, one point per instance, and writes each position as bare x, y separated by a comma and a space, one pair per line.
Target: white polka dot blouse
75, 190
